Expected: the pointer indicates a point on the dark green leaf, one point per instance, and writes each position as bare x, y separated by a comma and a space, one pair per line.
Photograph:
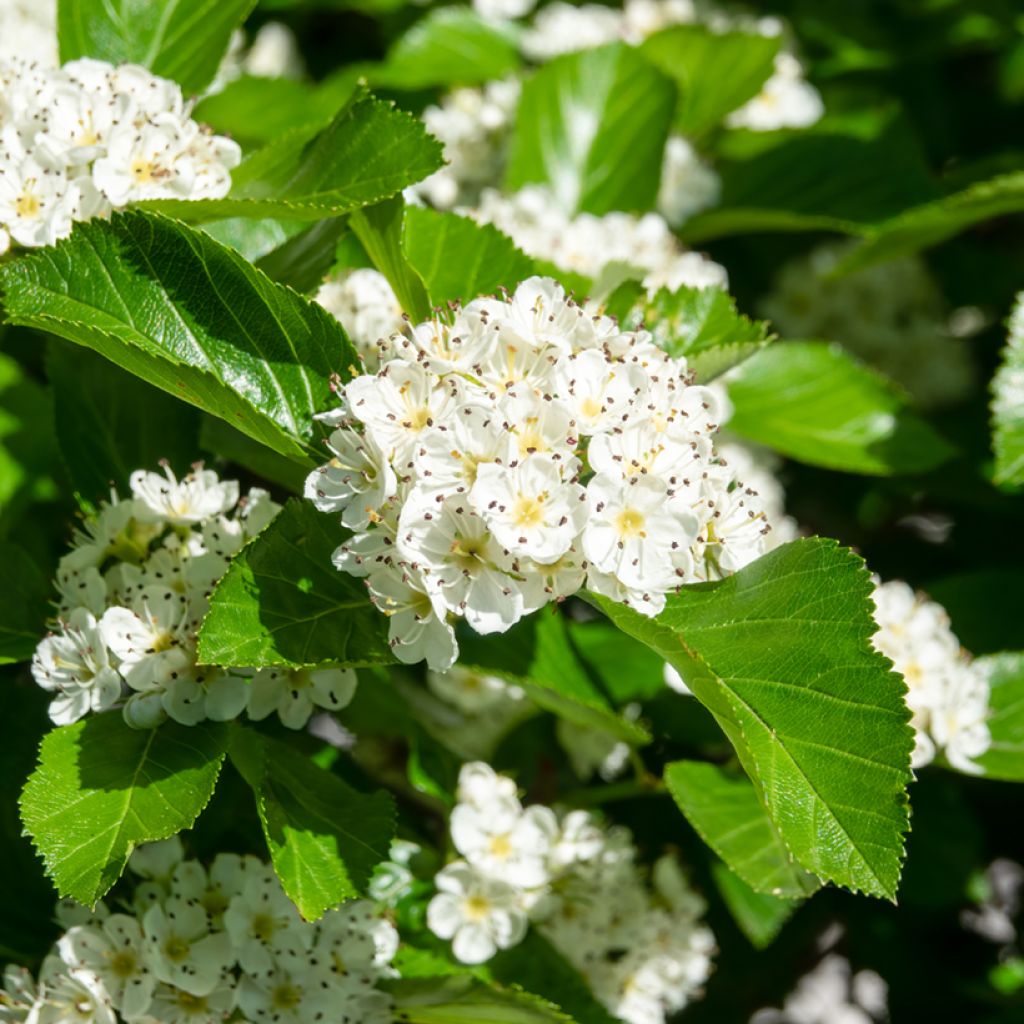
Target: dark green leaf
23, 604
102, 788
325, 838
627, 669
780, 653
814, 402
1005, 758
304, 260
221, 439
984, 607
592, 125
282, 601
110, 423
181, 311
716, 72
184, 40
449, 46
458, 259
1008, 404
728, 815
461, 999
760, 917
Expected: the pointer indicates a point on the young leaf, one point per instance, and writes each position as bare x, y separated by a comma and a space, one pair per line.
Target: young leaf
183, 312
325, 838
716, 72
369, 152
1004, 759
462, 999
780, 653
727, 813
814, 402
449, 46
110, 423
537, 655
458, 259
760, 917
23, 604
184, 40
1008, 403
101, 788
703, 325
282, 602
592, 125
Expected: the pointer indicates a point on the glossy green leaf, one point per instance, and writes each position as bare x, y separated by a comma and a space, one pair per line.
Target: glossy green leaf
1008, 404
1004, 759
102, 788
282, 602
325, 838
816, 403
462, 999
537, 655
184, 39
592, 126
449, 46
110, 423
24, 605
760, 917
780, 653
458, 259
380, 229
716, 72
369, 152
703, 325
727, 813
304, 260
190, 316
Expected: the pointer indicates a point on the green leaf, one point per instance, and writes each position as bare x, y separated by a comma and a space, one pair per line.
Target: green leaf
380, 228
325, 838
820, 180
727, 813
627, 669
462, 999
449, 46
282, 602
814, 402
183, 312
537, 655
102, 788
703, 325
369, 152
221, 439
592, 125
458, 259
110, 423
780, 653
23, 604
933, 222
184, 39
716, 72
1008, 403
304, 260
1004, 759
536, 965
760, 917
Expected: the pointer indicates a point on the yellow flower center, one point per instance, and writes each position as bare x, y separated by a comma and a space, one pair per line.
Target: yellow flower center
629, 523
27, 205
142, 171
529, 512
477, 908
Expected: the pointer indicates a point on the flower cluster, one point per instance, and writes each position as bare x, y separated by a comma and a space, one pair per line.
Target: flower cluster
28, 31
643, 951
131, 595
536, 221
198, 945
366, 306
893, 316
504, 458
947, 693
82, 140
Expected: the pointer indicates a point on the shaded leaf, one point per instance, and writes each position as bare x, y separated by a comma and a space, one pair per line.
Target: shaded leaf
815, 402
24, 605
462, 999
101, 788
1005, 757
1008, 403
760, 917
304, 260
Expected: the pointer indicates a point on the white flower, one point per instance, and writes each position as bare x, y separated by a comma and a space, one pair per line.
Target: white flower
357, 481
182, 951
76, 664
262, 922
294, 694
197, 496
480, 915
688, 184
70, 997
281, 997
561, 28
177, 1006
500, 9
367, 307
786, 100
480, 786
37, 203
472, 692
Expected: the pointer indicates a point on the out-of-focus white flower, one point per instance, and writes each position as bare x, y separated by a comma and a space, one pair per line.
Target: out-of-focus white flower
502, 9
367, 307
688, 183
787, 100
832, 994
